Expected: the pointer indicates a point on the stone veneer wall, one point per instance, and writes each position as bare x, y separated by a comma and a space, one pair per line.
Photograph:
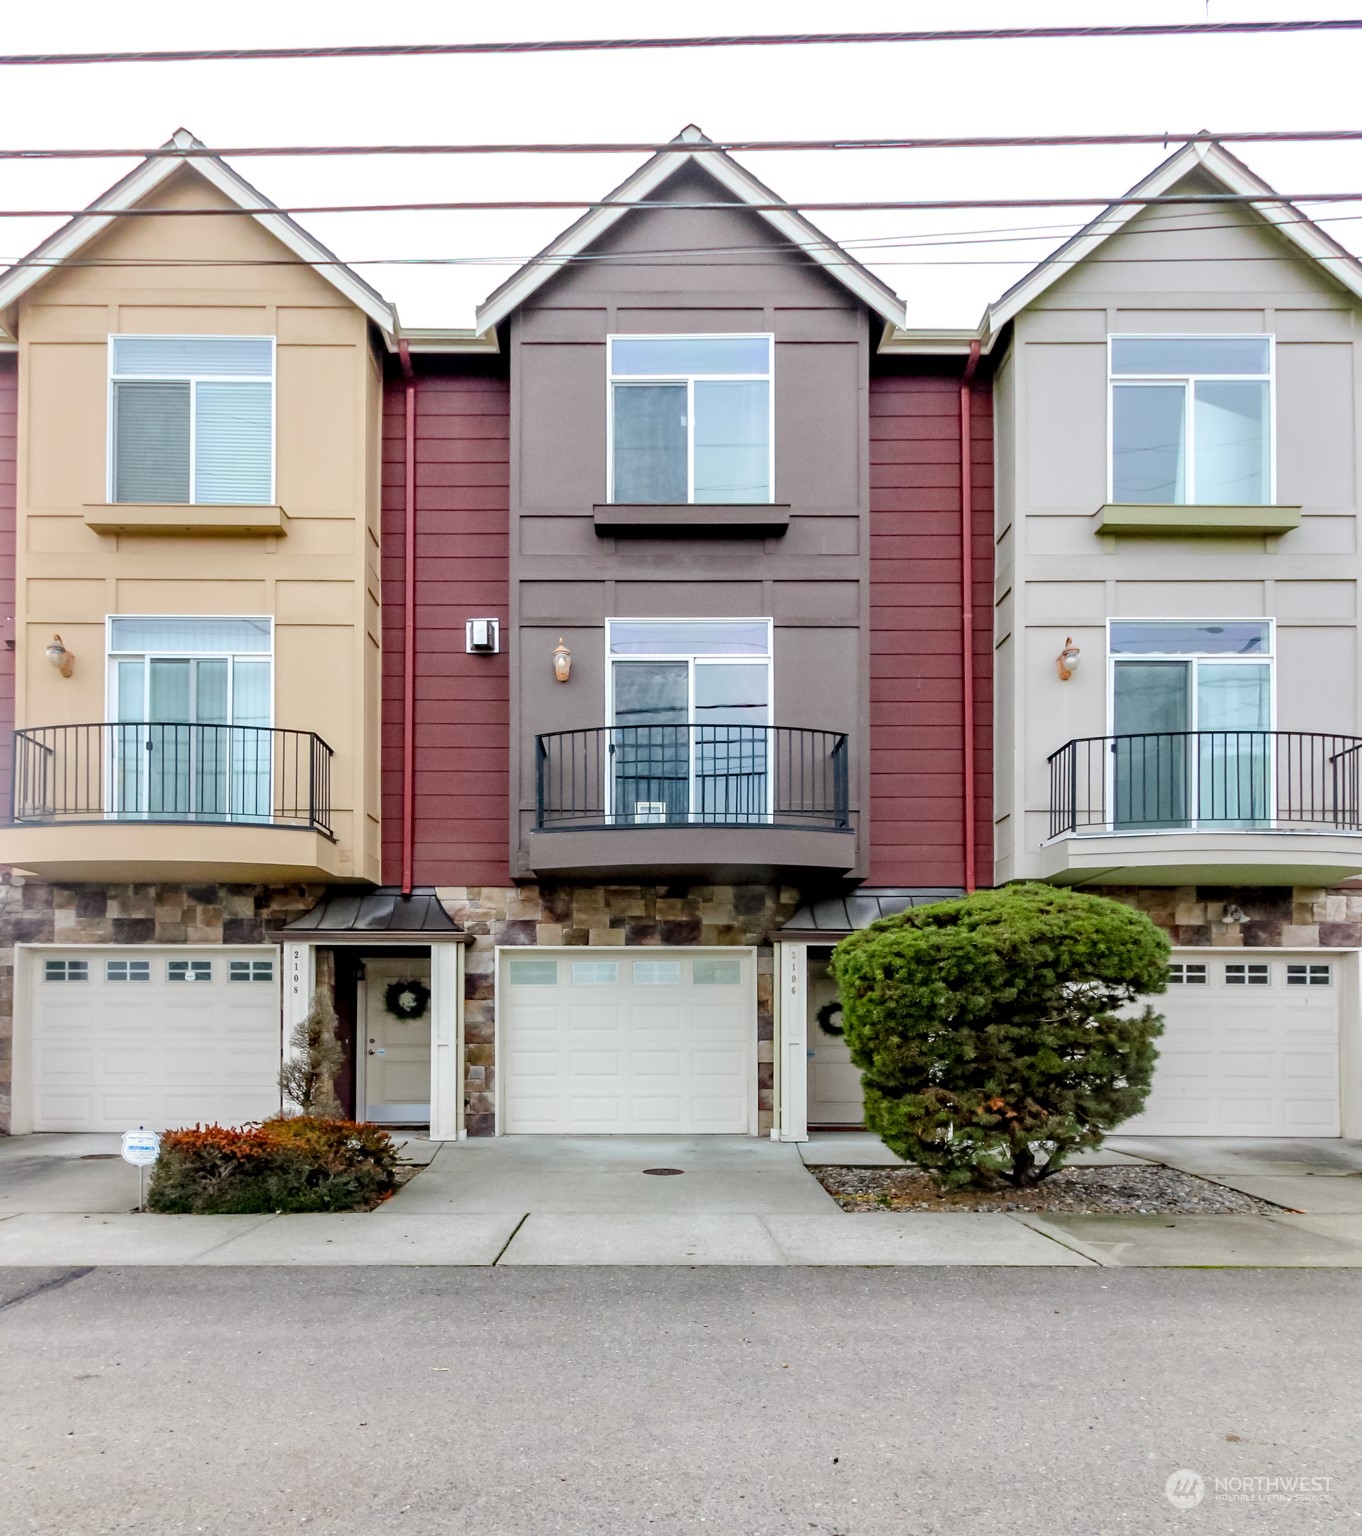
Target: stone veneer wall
38, 913
1281, 917
607, 914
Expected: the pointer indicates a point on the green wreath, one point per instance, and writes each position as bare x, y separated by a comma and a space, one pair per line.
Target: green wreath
830, 1019
406, 999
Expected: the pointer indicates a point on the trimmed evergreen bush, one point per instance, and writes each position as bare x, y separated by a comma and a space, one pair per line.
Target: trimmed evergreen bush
987, 1028
297, 1163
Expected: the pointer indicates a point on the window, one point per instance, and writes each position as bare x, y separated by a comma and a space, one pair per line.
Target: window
690, 703
192, 419
1186, 975
250, 970
690, 419
1309, 975
1191, 420
595, 973
717, 973
66, 970
193, 702
1247, 975
189, 970
657, 973
127, 970
533, 973
1191, 714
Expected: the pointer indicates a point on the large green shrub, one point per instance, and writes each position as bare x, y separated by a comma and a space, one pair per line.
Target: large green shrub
988, 1029
300, 1163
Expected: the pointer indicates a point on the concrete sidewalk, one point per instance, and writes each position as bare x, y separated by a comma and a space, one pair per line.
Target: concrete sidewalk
570, 1201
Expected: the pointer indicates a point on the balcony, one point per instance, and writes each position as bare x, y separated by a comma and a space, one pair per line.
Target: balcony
170, 800
1206, 808
697, 801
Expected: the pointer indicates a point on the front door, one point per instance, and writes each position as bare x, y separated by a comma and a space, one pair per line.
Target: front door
396, 1045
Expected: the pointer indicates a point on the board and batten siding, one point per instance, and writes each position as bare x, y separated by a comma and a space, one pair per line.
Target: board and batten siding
9, 434
462, 722
916, 694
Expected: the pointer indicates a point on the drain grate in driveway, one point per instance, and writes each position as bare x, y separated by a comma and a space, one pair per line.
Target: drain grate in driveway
663, 1172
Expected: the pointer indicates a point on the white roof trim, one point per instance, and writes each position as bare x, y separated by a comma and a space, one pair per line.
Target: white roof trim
725, 170
1202, 154
139, 183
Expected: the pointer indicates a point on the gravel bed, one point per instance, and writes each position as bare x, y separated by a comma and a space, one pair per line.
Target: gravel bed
1127, 1191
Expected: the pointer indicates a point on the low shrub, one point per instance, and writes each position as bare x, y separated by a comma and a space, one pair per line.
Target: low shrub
293, 1163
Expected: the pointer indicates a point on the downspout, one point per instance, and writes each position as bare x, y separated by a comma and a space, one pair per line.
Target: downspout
409, 627
967, 611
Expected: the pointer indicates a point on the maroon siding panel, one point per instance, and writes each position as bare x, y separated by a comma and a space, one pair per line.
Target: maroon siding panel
916, 678
462, 766
9, 436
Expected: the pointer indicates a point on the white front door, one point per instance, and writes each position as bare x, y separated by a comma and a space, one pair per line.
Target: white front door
129, 1035
1250, 1046
396, 1047
835, 1094
627, 1041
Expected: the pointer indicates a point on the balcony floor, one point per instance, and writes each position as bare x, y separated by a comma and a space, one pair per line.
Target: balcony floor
156, 851
1196, 857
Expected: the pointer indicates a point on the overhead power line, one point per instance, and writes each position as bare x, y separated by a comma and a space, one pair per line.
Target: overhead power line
640, 44
517, 205
652, 146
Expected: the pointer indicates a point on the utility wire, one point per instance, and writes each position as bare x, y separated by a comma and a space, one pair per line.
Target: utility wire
517, 205
649, 146
640, 44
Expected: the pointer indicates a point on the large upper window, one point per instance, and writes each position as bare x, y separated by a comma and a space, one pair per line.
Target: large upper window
690, 419
1191, 420
192, 419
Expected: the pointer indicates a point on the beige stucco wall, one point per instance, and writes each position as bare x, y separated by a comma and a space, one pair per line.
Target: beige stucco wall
319, 581
1057, 577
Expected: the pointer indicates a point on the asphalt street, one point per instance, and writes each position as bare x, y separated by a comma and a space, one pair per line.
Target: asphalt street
529, 1402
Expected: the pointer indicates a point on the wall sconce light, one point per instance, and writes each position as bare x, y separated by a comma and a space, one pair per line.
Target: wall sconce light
60, 657
1067, 660
562, 661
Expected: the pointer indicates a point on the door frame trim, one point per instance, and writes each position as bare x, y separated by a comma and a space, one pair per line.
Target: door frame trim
637, 952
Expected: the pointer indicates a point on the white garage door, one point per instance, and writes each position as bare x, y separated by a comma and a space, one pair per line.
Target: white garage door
1250, 1048
620, 1042
127, 1036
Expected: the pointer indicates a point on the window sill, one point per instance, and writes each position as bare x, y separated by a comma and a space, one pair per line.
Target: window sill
685, 520
1130, 519
182, 521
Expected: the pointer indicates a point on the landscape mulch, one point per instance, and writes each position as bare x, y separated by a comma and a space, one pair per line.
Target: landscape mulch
1127, 1191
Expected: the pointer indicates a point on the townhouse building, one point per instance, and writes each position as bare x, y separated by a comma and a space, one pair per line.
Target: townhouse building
555, 693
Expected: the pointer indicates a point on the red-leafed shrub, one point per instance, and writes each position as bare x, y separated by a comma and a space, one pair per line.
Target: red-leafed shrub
298, 1163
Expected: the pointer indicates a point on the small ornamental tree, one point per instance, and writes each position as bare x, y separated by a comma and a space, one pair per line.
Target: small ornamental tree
308, 1076
990, 1031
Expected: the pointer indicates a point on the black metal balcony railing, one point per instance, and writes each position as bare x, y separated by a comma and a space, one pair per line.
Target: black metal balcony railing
171, 771
1266, 781
692, 775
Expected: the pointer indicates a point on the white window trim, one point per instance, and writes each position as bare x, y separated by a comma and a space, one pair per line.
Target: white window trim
1267, 657
1189, 381
193, 381
690, 380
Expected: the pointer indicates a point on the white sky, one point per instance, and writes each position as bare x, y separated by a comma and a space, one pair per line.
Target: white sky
1042, 87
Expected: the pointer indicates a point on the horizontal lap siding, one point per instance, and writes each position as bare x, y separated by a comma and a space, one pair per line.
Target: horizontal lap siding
9, 437
916, 679
462, 764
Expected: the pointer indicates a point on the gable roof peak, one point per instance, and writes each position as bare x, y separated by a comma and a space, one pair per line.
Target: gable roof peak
692, 133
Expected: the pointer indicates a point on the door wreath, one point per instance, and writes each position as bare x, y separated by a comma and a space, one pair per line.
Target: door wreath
406, 999
830, 1019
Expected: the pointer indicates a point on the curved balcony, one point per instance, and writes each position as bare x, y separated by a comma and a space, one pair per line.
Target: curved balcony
1206, 807
691, 800
170, 799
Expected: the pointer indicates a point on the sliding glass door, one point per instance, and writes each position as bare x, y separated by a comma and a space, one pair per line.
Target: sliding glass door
1192, 740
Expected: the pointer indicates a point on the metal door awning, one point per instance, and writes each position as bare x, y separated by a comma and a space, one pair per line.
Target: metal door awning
831, 918
381, 915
